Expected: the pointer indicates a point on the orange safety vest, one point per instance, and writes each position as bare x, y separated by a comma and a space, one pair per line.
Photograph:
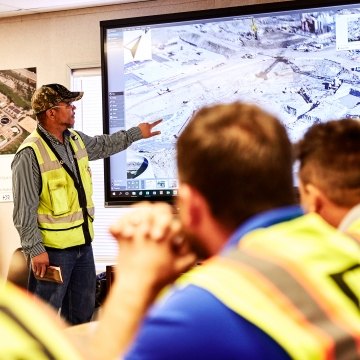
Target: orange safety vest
298, 281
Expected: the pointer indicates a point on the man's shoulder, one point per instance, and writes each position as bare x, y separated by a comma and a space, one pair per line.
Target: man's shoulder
24, 156
191, 323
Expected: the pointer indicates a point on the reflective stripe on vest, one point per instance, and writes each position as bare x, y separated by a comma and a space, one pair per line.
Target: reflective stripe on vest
60, 214
284, 281
354, 230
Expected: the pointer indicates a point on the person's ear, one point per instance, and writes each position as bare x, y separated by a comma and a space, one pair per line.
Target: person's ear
191, 205
50, 112
311, 197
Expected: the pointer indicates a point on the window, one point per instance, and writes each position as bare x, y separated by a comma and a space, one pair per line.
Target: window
88, 119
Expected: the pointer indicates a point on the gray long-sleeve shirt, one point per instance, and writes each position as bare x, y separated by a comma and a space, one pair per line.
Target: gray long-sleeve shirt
26, 178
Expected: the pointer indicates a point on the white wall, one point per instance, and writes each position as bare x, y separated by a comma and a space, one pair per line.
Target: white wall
55, 42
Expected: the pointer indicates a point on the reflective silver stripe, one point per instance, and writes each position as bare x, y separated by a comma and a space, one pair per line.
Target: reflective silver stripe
48, 166
30, 139
48, 219
44, 154
91, 211
81, 151
37, 142
344, 343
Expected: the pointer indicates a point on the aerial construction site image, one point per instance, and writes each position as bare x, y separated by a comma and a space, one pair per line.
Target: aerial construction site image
301, 65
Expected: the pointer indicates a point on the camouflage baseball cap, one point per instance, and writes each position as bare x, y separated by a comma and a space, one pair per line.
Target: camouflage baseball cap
52, 94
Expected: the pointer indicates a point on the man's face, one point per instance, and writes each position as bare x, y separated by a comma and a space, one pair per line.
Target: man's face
65, 114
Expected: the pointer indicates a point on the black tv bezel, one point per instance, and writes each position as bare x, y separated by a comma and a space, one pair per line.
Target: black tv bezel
258, 9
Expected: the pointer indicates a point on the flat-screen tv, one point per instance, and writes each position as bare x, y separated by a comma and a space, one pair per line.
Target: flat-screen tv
298, 60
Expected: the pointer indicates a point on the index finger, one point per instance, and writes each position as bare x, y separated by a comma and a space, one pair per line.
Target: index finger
156, 122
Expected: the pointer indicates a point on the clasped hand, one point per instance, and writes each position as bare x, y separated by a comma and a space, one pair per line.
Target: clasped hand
151, 242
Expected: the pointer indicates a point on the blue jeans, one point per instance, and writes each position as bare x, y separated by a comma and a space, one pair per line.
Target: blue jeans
75, 298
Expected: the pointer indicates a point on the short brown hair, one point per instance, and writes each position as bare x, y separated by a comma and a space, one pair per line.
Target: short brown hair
239, 158
329, 156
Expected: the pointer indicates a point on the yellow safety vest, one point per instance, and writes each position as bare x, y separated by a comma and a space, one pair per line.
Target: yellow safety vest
298, 281
65, 203
29, 331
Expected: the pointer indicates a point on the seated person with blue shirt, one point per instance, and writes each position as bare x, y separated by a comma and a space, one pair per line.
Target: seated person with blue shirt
272, 282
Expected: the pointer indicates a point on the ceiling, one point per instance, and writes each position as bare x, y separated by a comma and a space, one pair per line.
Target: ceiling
24, 7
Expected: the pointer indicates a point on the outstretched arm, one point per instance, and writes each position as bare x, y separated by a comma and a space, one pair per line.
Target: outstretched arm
102, 146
